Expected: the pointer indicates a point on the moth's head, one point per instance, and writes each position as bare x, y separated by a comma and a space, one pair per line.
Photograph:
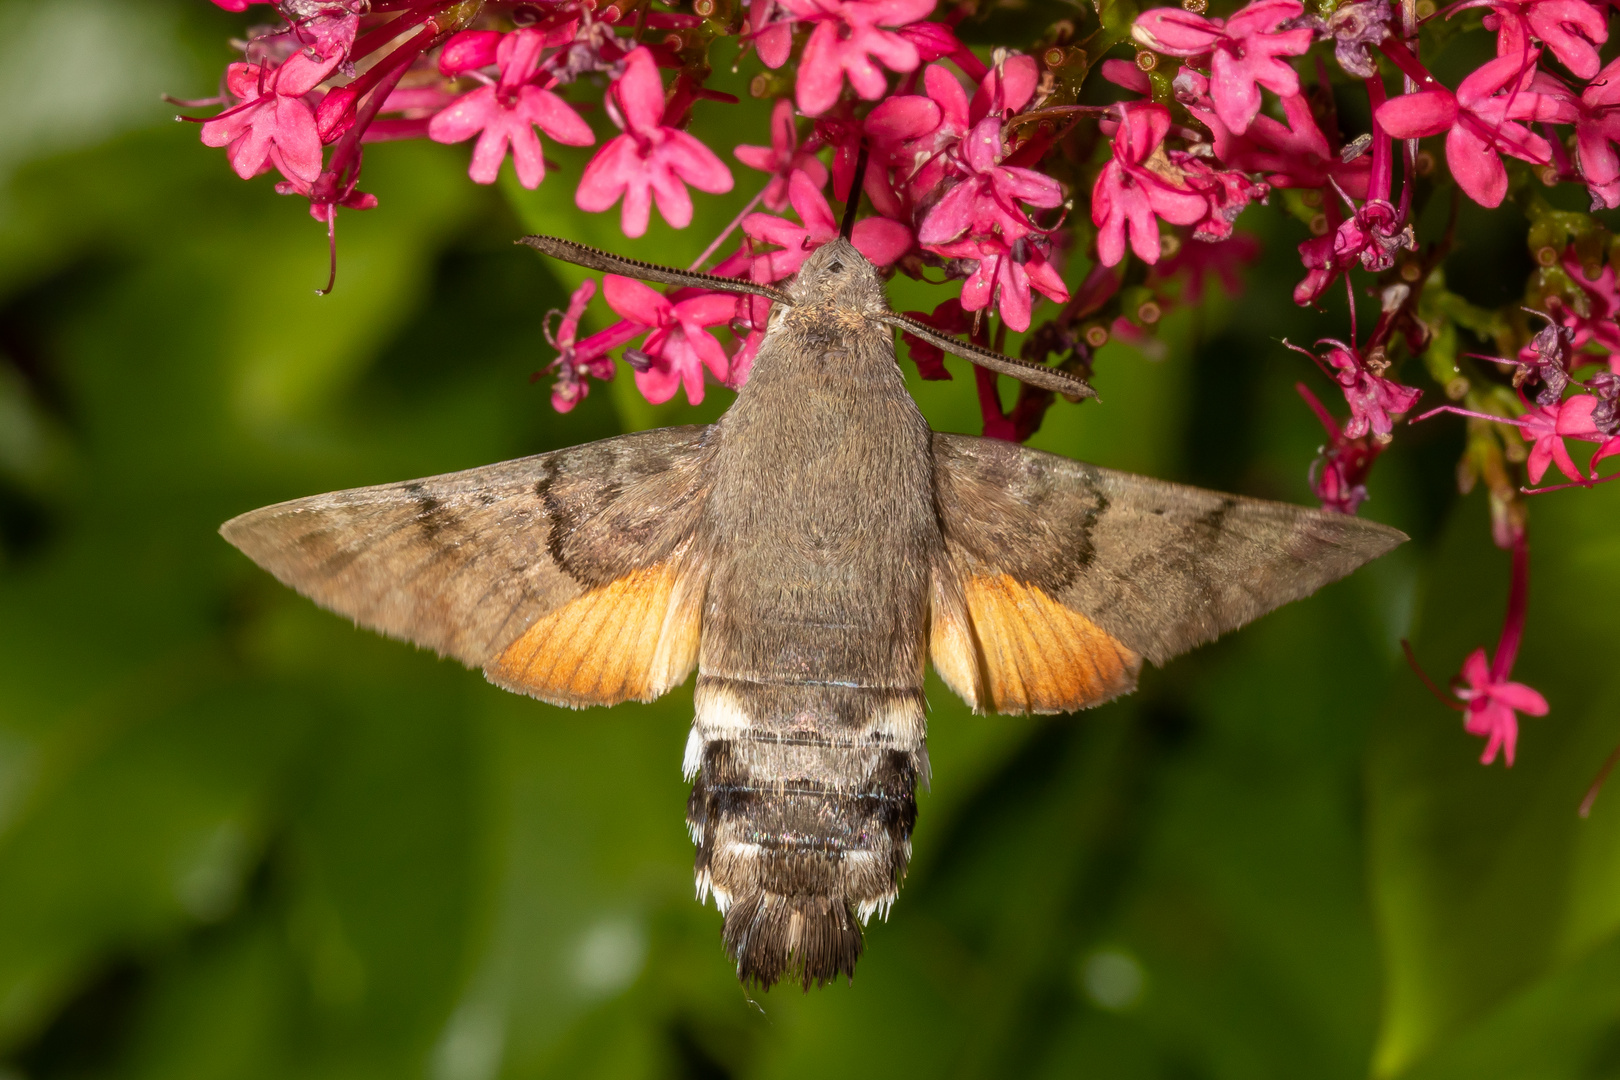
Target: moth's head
836, 273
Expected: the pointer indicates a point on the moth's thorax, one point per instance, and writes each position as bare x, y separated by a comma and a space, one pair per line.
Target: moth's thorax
839, 276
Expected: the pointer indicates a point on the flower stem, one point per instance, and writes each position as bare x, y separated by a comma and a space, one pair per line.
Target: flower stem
1410, 66
729, 229
1597, 781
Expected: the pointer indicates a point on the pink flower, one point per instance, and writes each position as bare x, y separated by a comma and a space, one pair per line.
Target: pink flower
1371, 397
987, 198
274, 125
1572, 29
679, 347
573, 365
1006, 87
1596, 129
782, 158
750, 321
468, 51
914, 131
507, 114
1005, 274
1227, 192
1339, 474
1371, 236
1492, 702
850, 39
1547, 426
1137, 187
1609, 449
934, 40
1478, 121
649, 161
1246, 48
881, 240
773, 32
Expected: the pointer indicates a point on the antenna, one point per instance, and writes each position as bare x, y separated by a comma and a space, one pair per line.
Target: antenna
848, 226
609, 263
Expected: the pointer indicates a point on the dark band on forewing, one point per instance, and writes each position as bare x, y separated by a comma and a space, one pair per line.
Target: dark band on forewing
1047, 378
597, 259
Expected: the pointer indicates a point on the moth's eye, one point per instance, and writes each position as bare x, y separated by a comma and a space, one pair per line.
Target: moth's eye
835, 267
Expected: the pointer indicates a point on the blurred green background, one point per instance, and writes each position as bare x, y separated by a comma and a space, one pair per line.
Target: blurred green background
239, 838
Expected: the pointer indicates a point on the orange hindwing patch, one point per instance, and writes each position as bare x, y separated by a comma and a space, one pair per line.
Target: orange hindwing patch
633, 638
1034, 655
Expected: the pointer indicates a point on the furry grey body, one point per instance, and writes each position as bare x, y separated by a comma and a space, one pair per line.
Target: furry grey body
807, 554
808, 737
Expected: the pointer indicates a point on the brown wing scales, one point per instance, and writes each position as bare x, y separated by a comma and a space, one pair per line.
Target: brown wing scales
564, 575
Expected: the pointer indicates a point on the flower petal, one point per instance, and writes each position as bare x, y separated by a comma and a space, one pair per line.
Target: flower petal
1414, 116
640, 92
881, 240
633, 300
1175, 32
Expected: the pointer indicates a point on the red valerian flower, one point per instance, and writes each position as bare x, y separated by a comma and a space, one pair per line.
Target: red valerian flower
1596, 129
772, 27
573, 366
649, 161
1007, 87
1005, 274
1227, 191
1572, 29
679, 346
274, 125
850, 39
1371, 236
1372, 398
1138, 186
987, 198
1245, 51
1339, 474
1547, 426
915, 131
782, 158
507, 114
1490, 700
881, 240
1478, 121
1493, 702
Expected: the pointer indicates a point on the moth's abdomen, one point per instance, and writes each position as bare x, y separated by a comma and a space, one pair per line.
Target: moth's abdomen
803, 800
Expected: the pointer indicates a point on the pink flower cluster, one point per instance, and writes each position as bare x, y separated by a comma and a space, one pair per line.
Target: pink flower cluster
947, 196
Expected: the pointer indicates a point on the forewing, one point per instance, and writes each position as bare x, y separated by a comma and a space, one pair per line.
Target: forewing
1150, 569
568, 575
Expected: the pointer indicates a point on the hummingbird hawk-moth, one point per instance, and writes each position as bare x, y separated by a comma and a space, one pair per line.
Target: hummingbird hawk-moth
808, 554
